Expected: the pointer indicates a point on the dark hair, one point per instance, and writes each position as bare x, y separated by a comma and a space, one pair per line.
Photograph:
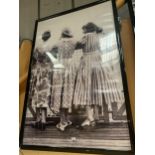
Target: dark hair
99, 30
91, 27
46, 35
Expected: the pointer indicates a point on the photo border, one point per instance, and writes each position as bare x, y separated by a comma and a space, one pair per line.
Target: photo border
124, 81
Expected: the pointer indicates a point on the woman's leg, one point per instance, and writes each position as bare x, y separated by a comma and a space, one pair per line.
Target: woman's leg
38, 115
96, 112
90, 113
89, 116
38, 121
64, 121
43, 118
63, 114
38, 118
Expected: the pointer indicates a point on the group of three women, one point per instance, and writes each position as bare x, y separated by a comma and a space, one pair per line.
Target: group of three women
68, 85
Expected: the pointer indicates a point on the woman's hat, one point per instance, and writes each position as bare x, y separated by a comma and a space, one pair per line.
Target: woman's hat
66, 33
46, 35
91, 27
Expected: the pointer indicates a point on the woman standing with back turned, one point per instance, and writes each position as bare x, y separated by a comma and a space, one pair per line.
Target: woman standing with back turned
63, 79
95, 85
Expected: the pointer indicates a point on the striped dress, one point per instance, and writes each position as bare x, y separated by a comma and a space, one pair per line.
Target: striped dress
94, 77
63, 78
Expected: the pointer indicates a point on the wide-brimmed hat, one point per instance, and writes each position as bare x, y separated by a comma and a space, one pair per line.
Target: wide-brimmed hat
91, 27
46, 35
66, 33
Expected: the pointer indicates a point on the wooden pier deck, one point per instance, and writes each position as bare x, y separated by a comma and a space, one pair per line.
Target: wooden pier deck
113, 136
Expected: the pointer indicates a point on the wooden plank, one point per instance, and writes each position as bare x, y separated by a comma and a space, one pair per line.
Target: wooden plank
117, 131
77, 143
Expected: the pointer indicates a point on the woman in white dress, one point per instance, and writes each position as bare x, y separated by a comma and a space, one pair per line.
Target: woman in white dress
93, 76
63, 79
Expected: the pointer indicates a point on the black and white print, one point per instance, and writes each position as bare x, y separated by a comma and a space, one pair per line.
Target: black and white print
76, 96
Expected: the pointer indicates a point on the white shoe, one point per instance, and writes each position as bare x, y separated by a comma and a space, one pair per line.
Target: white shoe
62, 127
85, 123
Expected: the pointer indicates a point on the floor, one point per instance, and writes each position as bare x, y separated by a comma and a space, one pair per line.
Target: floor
103, 136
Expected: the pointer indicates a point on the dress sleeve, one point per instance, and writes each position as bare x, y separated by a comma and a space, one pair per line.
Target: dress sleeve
83, 41
80, 44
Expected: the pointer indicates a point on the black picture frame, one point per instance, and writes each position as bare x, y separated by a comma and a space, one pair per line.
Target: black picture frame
125, 87
131, 12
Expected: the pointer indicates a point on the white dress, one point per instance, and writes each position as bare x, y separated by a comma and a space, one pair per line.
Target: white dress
94, 78
63, 78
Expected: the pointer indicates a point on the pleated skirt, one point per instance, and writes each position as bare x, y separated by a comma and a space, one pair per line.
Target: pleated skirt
95, 84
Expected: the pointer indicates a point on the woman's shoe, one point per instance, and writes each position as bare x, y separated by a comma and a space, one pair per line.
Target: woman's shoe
86, 123
62, 127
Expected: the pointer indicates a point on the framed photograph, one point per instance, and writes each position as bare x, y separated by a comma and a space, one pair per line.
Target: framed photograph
77, 97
